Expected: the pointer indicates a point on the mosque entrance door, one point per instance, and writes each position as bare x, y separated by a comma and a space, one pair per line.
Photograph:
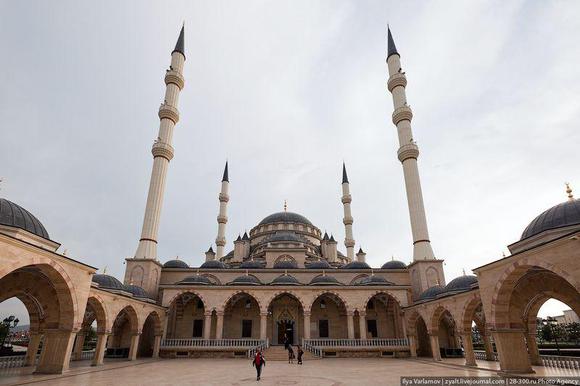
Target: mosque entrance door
285, 327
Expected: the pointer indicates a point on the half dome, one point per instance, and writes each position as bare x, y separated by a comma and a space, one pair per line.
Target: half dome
356, 265
137, 291
461, 283
245, 280
285, 280
374, 280
285, 217
175, 264
324, 280
195, 280
16, 216
559, 216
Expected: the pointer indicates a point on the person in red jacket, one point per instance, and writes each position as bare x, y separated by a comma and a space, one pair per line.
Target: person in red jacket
258, 362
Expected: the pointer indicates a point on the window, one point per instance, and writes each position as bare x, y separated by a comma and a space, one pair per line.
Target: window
198, 328
372, 328
199, 304
322, 304
246, 328
248, 304
371, 305
323, 328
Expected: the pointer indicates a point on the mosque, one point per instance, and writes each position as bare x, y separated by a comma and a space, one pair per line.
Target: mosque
286, 278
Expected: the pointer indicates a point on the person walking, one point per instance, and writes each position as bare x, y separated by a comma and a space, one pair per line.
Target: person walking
290, 354
258, 362
300, 353
286, 342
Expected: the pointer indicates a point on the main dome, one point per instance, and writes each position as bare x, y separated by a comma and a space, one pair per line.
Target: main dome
559, 216
285, 217
15, 216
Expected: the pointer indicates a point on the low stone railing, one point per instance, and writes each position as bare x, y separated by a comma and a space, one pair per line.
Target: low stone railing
262, 346
226, 344
316, 351
558, 361
362, 343
11, 361
481, 355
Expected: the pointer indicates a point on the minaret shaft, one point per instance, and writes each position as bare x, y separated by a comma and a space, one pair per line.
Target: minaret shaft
222, 218
408, 153
347, 220
162, 153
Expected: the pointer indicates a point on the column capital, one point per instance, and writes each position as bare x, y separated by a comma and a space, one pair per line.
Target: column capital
220, 312
307, 313
207, 314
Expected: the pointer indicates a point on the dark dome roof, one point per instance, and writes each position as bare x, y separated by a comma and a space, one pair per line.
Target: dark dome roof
320, 264
374, 280
251, 264
461, 283
246, 280
285, 265
561, 215
108, 282
285, 217
431, 293
175, 264
213, 264
356, 265
197, 280
137, 291
15, 216
285, 236
324, 280
285, 280
394, 264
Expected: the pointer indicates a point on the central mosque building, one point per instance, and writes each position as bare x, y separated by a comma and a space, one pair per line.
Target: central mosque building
285, 278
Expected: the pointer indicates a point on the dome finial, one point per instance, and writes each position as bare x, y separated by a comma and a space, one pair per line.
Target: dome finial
285, 205
569, 192
464, 274
105, 270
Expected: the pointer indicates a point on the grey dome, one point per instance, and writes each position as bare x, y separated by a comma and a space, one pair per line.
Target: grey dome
285, 265
175, 264
285, 236
137, 291
246, 280
461, 283
285, 280
285, 217
356, 265
195, 280
374, 280
320, 264
431, 293
251, 264
324, 280
213, 264
559, 216
394, 264
108, 282
15, 216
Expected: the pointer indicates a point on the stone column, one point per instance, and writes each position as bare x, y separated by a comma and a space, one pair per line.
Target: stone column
263, 325
33, 344
134, 346
207, 325
56, 352
362, 321
156, 346
512, 351
307, 325
100, 349
413, 345
165, 324
488, 347
435, 347
350, 324
468, 347
533, 350
78, 346
219, 325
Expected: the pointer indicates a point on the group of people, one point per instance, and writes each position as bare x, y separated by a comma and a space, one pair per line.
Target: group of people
259, 361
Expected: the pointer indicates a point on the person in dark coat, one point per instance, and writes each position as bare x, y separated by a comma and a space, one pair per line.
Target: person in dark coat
290, 354
286, 342
300, 353
258, 362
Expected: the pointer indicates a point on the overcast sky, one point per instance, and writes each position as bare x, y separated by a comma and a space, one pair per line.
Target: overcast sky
286, 91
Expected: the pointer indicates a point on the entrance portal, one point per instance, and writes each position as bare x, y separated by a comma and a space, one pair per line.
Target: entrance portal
286, 327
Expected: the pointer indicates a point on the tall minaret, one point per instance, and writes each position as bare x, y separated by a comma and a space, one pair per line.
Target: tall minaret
162, 152
408, 153
222, 217
347, 220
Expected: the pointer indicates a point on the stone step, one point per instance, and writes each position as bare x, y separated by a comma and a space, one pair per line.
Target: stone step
278, 353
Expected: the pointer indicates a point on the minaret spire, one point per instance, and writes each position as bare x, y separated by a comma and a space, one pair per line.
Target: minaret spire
347, 220
408, 153
162, 153
222, 217
180, 45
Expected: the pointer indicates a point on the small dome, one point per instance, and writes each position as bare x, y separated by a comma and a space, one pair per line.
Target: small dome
15, 216
559, 216
394, 264
195, 280
251, 264
324, 280
320, 264
461, 283
431, 293
137, 291
213, 264
175, 264
245, 280
108, 282
285, 264
285, 217
285, 280
374, 280
356, 265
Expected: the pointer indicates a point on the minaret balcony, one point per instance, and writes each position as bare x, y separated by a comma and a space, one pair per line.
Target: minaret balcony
348, 220
396, 80
349, 243
224, 197
407, 151
162, 149
347, 199
169, 112
401, 114
175, 77
222, 219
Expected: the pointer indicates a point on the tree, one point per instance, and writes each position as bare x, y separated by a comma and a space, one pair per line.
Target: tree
573, 331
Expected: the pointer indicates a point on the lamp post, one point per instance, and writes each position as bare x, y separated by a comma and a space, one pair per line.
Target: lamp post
8, 323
